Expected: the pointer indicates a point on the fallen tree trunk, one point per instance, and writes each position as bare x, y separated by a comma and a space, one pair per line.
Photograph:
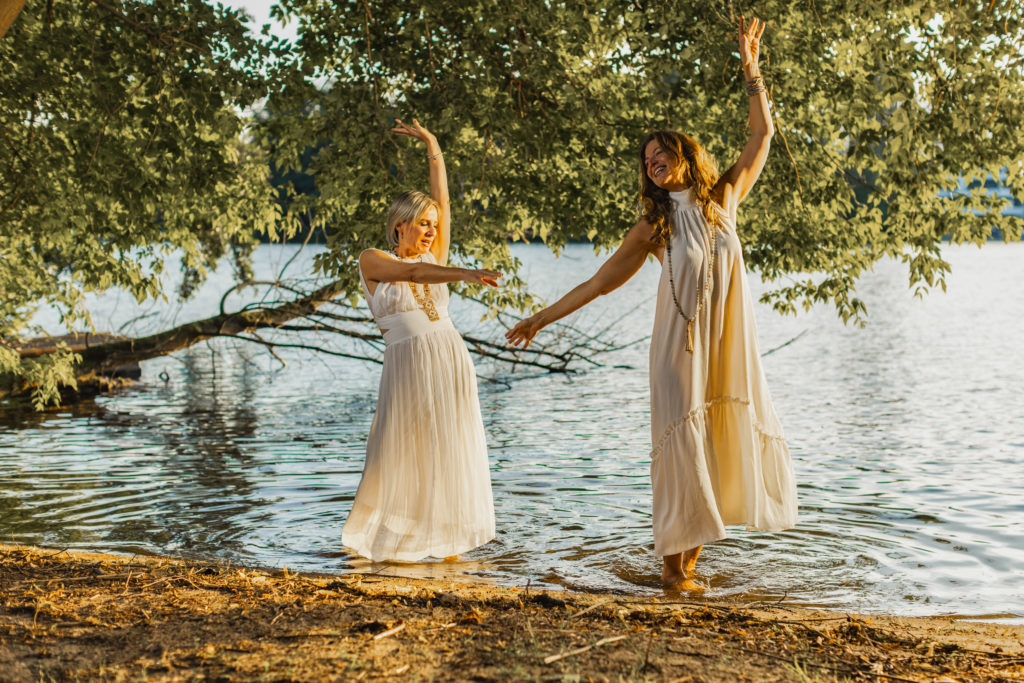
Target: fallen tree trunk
76, 341
107, 360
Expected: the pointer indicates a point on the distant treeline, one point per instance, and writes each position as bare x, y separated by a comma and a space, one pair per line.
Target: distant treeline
305, 183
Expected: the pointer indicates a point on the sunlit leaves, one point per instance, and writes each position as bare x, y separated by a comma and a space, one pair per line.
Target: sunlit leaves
124, 140
122, 144
880, 107
47, 373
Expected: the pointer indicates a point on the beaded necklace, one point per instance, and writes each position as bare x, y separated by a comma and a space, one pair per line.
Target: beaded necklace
424, 301
703, 292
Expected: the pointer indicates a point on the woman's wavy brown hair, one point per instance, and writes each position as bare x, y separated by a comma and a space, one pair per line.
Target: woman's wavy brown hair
696, 169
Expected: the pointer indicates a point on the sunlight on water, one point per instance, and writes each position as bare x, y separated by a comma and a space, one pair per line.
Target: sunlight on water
907, 439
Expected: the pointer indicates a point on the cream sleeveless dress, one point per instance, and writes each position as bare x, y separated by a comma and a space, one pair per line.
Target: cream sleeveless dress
719, 454
426, 487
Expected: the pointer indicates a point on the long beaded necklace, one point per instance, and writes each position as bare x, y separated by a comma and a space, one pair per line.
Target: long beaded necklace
703, 292
424, 301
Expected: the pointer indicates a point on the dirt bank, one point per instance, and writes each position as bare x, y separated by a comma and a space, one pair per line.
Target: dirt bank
82, 616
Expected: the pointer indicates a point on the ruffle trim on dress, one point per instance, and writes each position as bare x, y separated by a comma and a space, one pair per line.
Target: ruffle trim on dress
701, 411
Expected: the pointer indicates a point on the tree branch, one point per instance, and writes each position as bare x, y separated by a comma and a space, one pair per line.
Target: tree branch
108, 357
158, 37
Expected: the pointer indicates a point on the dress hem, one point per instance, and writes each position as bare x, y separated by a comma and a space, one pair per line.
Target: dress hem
419, 555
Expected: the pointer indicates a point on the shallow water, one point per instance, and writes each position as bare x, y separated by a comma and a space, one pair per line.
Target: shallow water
907, 439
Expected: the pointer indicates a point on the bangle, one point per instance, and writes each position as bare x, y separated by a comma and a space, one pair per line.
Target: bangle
431, 157
755, 86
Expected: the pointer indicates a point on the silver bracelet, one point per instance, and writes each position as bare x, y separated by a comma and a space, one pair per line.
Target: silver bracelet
755, 86
431, 157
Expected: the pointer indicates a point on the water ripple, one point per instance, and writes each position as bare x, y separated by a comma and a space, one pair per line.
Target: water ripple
907, 439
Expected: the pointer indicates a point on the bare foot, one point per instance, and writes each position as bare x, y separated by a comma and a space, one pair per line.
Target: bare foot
692, 586
671, 578
678, 581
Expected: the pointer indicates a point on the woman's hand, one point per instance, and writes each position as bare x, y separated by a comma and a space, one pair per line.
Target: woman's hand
414, 131
750, 44
524, 331
483, 276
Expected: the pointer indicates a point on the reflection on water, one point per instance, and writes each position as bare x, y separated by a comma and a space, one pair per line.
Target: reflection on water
907, 438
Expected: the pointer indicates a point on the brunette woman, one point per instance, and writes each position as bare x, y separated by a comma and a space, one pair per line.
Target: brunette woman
719, 456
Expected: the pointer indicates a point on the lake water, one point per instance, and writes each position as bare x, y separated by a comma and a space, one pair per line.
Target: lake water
907, 440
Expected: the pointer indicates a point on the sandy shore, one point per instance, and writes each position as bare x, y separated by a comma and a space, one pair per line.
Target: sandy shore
85, 616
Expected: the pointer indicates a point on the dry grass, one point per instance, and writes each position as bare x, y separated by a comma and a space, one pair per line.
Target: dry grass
80, 616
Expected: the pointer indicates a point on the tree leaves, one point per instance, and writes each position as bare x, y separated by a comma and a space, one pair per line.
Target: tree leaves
128, 143
122, 145
540, 106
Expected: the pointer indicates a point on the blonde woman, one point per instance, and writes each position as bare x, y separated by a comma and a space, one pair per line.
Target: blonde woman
426, 487
719, 456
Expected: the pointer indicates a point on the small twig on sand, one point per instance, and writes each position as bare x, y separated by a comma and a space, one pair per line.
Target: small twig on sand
389, 632
604, 641
591, 608
98, 577
837, 668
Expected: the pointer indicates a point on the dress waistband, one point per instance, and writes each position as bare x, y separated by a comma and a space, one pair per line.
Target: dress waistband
409, 324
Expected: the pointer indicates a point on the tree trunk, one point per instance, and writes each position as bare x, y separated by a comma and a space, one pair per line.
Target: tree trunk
103, 354
105, 358
9, 10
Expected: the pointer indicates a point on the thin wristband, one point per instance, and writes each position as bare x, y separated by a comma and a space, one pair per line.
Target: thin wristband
431, 157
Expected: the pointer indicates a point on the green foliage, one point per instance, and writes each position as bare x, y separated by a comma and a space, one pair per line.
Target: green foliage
10, 361
125, 143
123, 147
48, 373
540, 106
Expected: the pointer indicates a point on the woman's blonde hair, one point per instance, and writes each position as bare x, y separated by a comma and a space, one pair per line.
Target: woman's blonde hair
407, 208
696, 169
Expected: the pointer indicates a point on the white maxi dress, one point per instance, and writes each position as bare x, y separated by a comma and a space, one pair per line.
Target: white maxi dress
426, 486
719, 455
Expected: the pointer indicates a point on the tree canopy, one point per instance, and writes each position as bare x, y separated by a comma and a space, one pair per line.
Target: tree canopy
880, 109
128, 144
122, 148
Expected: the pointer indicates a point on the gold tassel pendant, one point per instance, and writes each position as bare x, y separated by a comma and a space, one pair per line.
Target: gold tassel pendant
689, 336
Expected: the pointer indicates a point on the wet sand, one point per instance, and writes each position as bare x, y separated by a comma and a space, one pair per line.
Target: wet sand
69, 615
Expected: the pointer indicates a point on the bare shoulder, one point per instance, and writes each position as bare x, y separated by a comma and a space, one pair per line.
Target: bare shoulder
642, 235
373, 255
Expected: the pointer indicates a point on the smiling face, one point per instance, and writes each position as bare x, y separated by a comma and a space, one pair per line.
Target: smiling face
661, 166
415, 237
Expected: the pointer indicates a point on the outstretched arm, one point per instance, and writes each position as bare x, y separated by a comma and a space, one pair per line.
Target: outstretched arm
379, 266
622, 265
735, 183
438, 185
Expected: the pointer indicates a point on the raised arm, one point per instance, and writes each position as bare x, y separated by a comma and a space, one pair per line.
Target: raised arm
735, 183
438, 185
379, 266
622, 265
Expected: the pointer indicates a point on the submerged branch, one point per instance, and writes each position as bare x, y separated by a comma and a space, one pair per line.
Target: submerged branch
318, 312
